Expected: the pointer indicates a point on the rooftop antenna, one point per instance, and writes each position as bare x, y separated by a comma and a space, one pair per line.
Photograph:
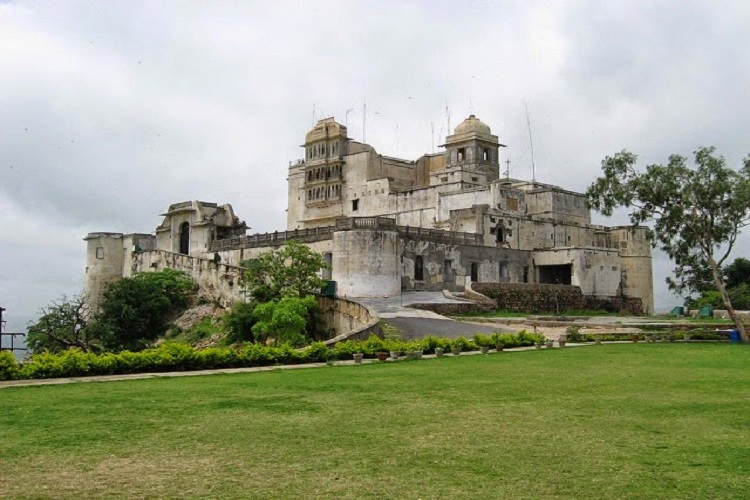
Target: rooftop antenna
531, 144
364, 121
397, 140
507, 168
471, 106
448, 114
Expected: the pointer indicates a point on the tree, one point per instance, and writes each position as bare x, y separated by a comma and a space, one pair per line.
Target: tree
62, 325
135, 311
291, 271
697, 213
284, 320
737, 273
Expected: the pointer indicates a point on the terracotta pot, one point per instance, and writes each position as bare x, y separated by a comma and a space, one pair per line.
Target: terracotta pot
382, 356
499, 347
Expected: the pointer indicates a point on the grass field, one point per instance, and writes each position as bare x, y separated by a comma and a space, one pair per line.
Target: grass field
610, 421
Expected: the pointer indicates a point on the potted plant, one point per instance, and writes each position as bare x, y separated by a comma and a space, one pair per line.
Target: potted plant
635, 337
439, 352
561, 340
497, 341
550, 343
394, 354
597, 340
686, 337
382, 355
358, 357
459, 344
483, 341
538, 344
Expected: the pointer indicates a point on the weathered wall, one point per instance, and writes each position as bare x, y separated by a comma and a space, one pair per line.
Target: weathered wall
448, 266
595, 271
219, 282
104, 265
635, 258
366, 263
347, 320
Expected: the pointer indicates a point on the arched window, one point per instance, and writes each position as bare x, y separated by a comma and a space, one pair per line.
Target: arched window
474, 272
185, 238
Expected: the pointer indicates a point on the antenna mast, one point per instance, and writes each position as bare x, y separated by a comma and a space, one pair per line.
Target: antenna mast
364, 121
531, 143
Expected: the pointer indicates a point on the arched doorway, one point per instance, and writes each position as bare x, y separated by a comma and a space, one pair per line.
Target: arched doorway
185, 238
474, 272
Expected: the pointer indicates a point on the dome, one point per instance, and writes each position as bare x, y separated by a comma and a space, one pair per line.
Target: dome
472, 125
326, 128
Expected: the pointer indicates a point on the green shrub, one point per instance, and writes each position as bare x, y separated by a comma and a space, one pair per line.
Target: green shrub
430, 343
239, 322
482, 340
8, 366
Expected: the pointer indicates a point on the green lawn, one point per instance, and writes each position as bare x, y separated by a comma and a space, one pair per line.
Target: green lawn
610, 421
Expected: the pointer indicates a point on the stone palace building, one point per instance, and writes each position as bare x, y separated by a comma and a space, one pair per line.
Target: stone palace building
389, 224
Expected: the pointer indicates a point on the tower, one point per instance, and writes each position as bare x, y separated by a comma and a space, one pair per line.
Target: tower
473, 152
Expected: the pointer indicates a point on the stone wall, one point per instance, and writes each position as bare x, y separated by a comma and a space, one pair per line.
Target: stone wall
347, 320
219, 282
520, 297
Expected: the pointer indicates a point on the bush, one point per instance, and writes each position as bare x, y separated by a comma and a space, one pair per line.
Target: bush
239, 322
483, 340
8, 366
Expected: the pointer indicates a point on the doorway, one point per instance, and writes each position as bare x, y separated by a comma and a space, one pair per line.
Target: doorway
185, 238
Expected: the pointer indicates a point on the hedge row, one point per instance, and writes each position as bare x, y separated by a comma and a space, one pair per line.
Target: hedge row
180, 357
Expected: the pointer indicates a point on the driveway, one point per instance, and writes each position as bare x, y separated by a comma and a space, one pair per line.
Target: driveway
418, 323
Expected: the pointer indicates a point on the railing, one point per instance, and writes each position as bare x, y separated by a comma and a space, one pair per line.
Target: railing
441, 236
275, 238
346, 224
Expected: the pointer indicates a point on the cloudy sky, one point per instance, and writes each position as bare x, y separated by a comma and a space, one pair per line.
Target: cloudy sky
111, 111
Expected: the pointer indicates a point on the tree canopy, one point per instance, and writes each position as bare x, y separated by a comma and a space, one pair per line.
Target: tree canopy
290, 271
697, 211
62, 325
135, 311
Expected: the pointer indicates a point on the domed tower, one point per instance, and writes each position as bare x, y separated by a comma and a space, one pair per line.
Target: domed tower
472, 150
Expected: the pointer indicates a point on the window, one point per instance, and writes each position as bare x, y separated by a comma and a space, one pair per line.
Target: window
461, 154
99, 252
443, 179
474, 179
474, 272
486, 154
503, 271
355, 205
511, 204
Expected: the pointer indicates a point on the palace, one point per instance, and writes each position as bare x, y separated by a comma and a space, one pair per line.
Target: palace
387, 224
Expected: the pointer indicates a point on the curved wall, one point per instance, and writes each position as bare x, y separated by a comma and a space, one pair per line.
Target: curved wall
366, 263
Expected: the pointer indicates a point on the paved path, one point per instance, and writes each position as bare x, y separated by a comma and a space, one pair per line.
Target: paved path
418, 323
